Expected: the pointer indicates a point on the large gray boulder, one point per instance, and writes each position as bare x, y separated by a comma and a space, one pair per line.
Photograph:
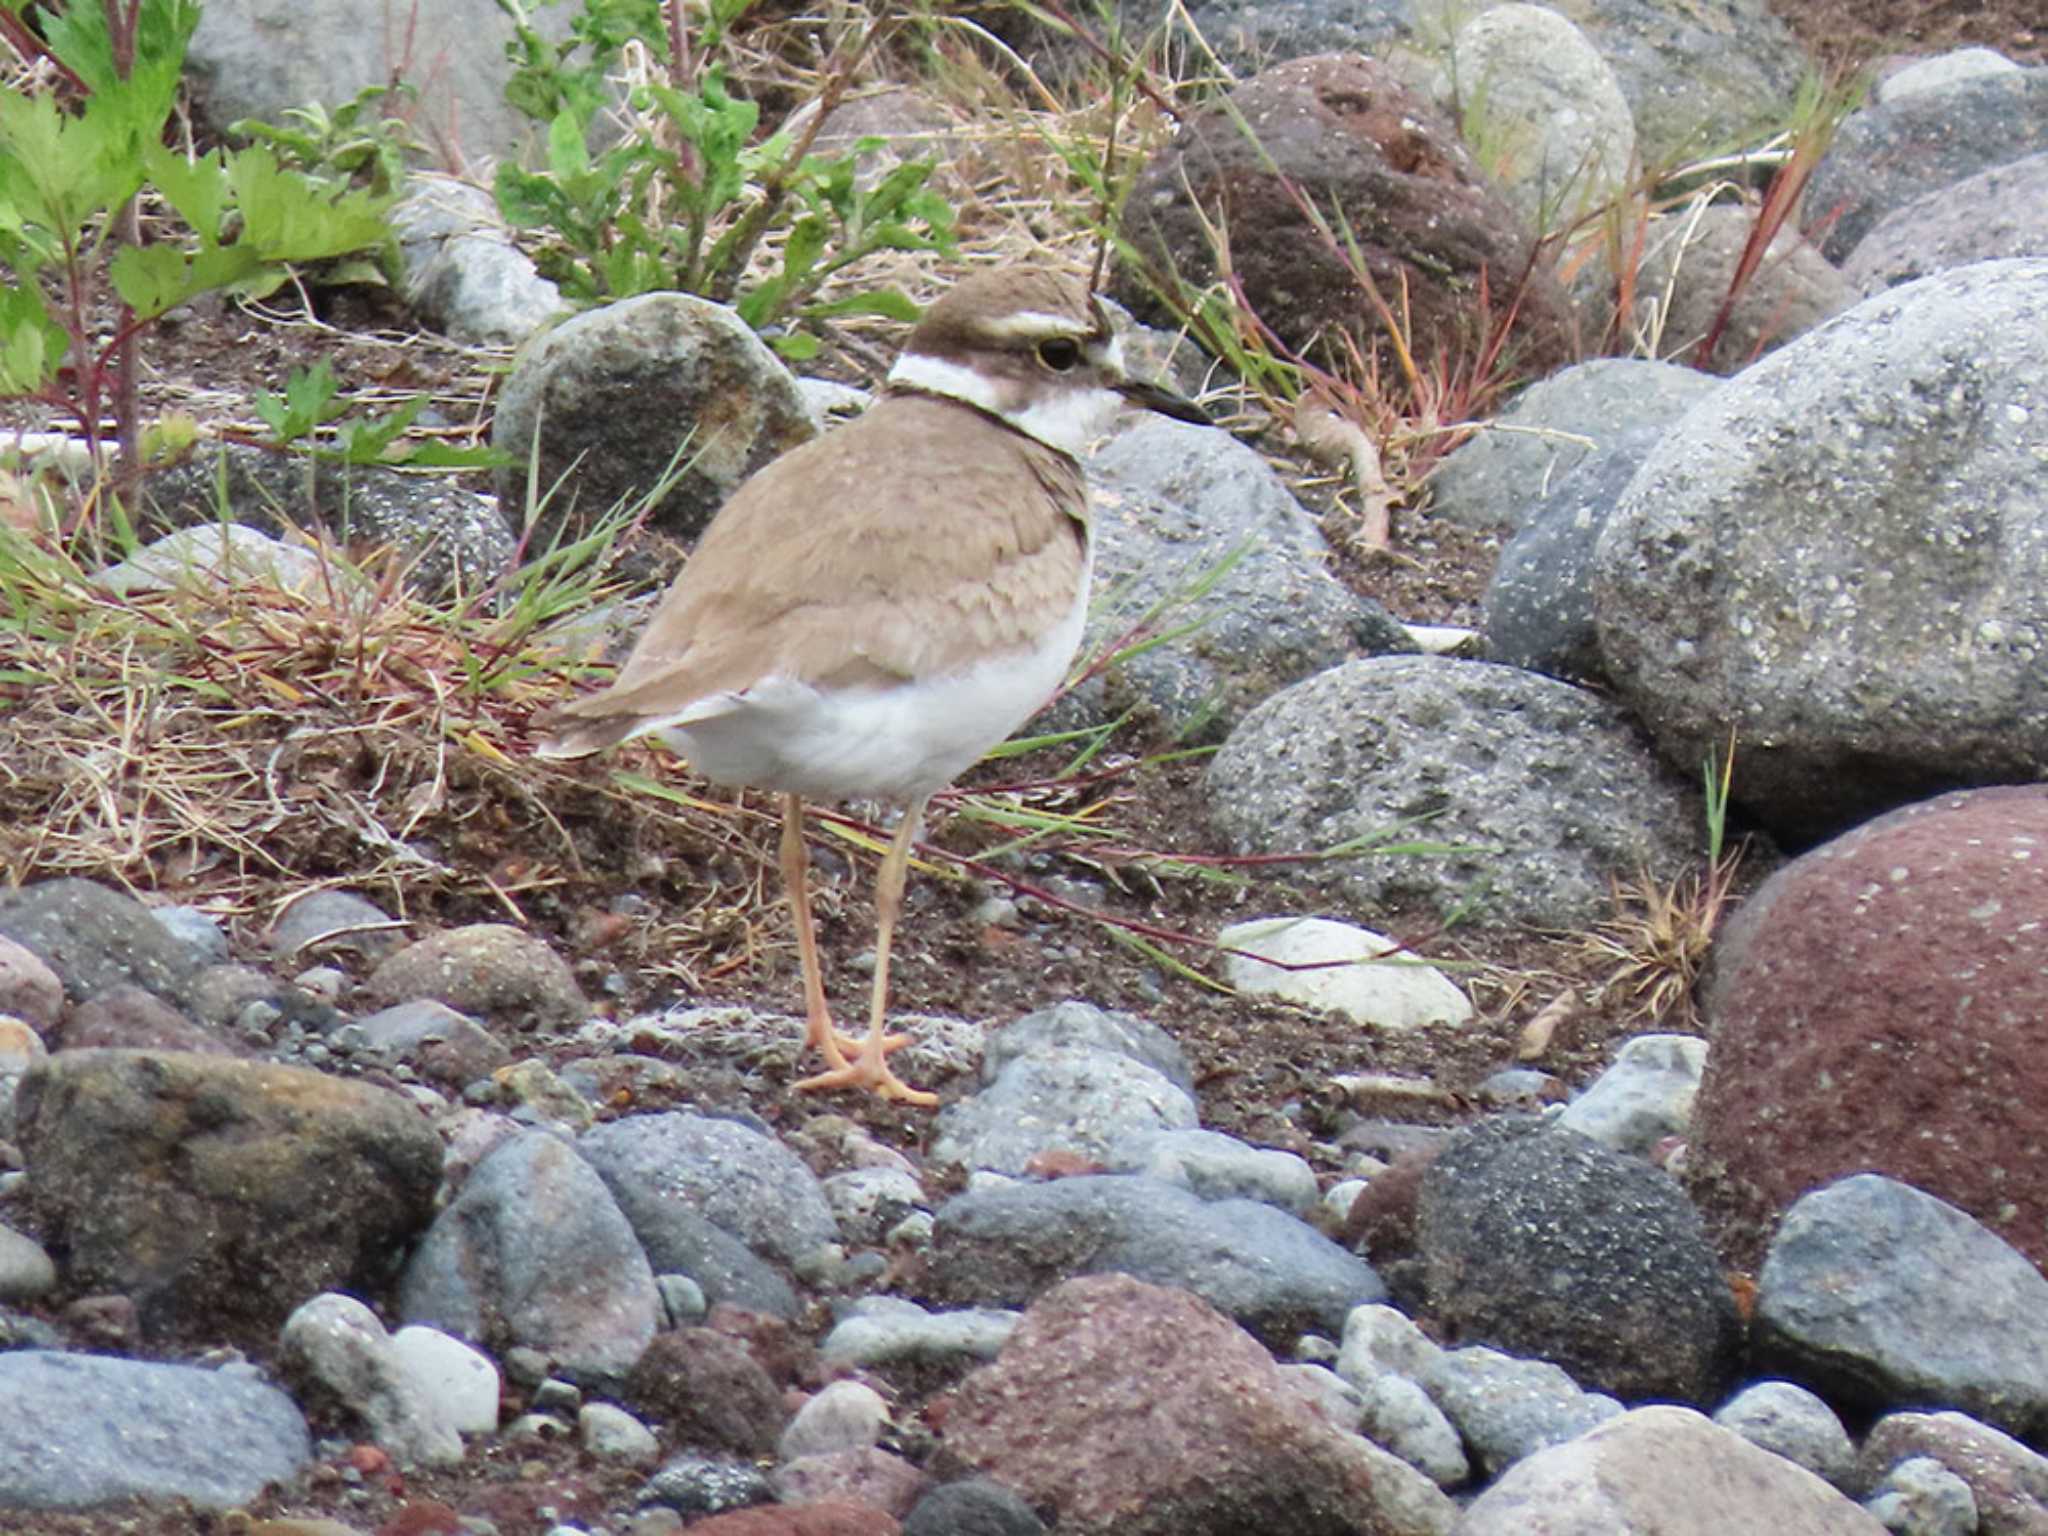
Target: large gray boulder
259, 58
1841, 557
1198, 537
1530, 795
619, 394
1907, 145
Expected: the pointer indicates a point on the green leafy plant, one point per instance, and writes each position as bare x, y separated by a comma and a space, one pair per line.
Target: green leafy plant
70, 172
311, 402
361, 143
688, 202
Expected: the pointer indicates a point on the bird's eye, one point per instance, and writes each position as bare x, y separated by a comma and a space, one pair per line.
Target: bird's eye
1060, 353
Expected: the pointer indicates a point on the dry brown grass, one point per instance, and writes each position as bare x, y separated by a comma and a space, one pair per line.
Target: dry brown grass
1650, 955
237, 744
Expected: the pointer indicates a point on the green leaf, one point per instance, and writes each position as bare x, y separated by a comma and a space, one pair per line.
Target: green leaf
434, 454
198, 189
308, 401
568, 149
60, 170
151, 278
891, 303
796, 346
526, 199
155, 279
32, 345
272, 410
290, 217
365, 442
895, 192
78, 36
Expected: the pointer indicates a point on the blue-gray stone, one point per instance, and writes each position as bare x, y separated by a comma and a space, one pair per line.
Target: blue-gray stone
1273, 1273
81, 1430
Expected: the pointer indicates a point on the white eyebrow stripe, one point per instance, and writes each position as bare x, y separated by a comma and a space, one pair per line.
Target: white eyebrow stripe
1036, 322
939, 377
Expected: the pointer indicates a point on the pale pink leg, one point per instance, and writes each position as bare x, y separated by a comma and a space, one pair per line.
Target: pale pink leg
870, 1068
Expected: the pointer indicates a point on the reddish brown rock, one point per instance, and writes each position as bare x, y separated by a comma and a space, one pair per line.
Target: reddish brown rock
708, 1388
29, 989
125, 1017
1878, 1006
1348, 135
778, 1348
1381, 1226
1141, 1411
859, 1475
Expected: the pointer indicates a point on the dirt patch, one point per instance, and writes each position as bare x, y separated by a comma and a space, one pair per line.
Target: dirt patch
1867, 31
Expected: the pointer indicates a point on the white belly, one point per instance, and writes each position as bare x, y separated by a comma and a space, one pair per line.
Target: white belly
893, 743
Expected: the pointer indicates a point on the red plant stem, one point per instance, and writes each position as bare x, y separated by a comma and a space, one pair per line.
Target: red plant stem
1144, 930
122, 21
24, 41
85, 396
127, 412
679, 67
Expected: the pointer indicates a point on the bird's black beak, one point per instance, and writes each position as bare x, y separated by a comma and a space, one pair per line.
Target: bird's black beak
1157, 397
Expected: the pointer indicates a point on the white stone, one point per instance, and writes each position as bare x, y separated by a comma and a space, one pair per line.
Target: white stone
212, 556
845, 1416
1394, 992
1645, 1096
1217, 1167
892, 1336
1789, 1421
1921, 1497
1378, 1339
1632, 1475
868, 1201
26, 1271
462, 1381
1945, 69
1340, 1197
339, 1342
612, 1434
1396, 1413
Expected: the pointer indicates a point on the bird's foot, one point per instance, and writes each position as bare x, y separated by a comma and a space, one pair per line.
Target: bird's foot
868, 1069
822, 1036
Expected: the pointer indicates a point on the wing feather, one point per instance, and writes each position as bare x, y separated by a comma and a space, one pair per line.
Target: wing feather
809, 574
